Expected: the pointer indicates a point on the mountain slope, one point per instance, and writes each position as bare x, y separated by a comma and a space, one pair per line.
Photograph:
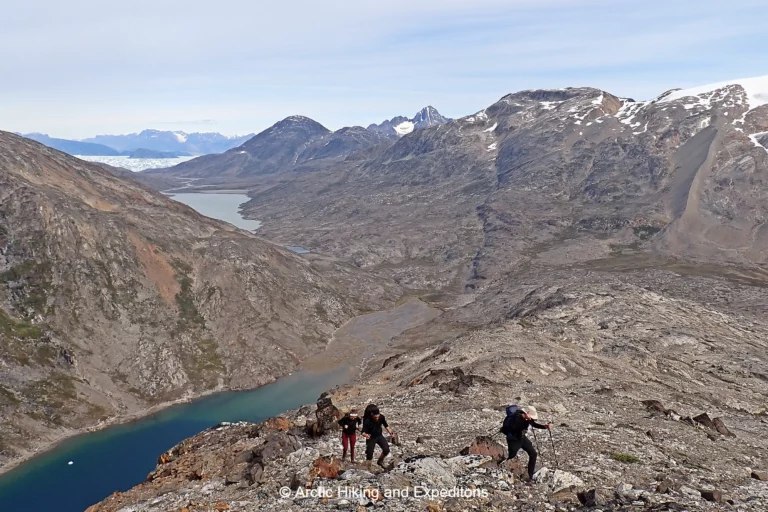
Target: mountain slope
577, 174
167, 141
401, 125
114, 298
289, 144
73, 147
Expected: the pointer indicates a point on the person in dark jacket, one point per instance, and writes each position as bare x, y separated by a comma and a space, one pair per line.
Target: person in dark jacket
373, 421
349, 425
515, 426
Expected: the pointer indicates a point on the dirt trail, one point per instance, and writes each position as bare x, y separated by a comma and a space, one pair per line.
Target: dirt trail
363, 336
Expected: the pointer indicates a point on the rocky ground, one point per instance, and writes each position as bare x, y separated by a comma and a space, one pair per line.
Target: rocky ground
658, 399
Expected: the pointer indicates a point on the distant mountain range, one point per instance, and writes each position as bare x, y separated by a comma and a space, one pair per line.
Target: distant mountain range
157, 140
298, 141
73, 147
147, 144
290, 142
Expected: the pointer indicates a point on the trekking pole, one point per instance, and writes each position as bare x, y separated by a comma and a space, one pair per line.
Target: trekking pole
537, 443
554, 451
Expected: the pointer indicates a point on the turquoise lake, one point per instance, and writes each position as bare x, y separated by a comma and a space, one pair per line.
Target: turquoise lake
121, 456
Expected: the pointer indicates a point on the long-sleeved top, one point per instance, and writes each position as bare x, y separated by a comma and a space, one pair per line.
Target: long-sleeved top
373, 427
515, 426
348, 424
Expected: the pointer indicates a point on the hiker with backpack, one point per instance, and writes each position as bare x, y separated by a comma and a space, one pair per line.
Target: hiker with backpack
349, 425
373, 421
515, 426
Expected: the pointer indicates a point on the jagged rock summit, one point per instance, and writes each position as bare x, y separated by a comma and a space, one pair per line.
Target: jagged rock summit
401, 125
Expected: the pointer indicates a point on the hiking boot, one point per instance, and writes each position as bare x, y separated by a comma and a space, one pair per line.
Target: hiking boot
380, 462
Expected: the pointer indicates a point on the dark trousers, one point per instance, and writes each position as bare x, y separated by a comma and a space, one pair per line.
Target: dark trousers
514, 445
370, 445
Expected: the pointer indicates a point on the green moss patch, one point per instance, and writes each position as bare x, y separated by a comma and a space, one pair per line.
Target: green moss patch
203, 364
626, 458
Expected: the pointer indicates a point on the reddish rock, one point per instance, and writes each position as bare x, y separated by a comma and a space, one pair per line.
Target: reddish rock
485, 445
326, 467
278, 424
760, 475
221, 506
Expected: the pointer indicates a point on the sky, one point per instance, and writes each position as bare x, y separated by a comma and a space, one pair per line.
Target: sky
79, 68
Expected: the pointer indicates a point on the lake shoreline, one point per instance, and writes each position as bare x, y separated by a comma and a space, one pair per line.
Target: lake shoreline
119, 420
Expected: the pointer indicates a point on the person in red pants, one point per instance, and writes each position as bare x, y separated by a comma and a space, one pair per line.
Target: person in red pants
349, 425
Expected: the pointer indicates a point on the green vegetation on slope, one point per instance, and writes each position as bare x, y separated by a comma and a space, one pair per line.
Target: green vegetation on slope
36, 279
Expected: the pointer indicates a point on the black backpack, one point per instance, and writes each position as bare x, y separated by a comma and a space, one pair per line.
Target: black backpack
512, 412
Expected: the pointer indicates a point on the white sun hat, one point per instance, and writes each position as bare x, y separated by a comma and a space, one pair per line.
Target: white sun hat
531, 411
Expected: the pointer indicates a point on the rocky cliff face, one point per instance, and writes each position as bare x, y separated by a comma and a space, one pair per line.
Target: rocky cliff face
114, 298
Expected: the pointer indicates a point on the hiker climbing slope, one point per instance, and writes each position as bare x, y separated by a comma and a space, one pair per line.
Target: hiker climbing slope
373, 421
349, 424
515, 426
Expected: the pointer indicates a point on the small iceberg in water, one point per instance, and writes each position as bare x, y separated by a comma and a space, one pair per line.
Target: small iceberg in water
70, 463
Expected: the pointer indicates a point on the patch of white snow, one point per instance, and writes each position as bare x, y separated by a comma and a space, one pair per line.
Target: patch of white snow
181, 137
549, 105
404, 128
756, 89
491, 128
492, 147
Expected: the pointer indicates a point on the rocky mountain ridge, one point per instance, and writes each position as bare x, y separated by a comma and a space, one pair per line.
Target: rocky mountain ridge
401, 125
297, 144
541, 175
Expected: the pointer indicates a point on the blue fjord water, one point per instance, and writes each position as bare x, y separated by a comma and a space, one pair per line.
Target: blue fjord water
121, 456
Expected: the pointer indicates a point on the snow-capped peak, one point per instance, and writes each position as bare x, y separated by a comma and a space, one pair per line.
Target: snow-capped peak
756, 89
181, 137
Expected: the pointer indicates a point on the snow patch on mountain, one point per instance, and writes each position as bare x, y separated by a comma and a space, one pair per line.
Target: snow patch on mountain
491, 128
404, 128
550, 105
181, 137
756, 89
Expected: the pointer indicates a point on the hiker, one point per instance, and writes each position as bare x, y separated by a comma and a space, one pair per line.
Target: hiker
515, 426
349, 425
373, 420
